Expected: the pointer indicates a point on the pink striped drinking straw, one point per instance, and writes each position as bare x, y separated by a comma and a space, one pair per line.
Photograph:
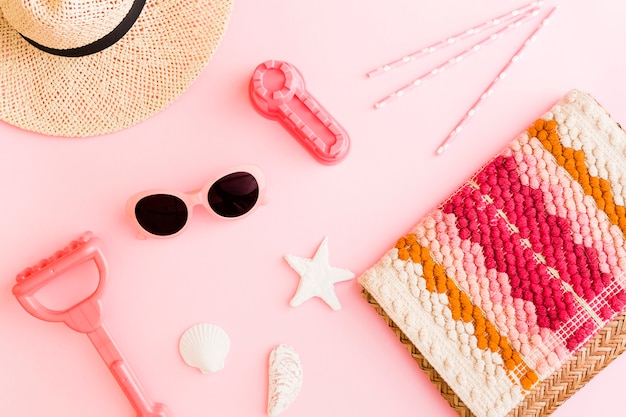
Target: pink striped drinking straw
488, 91
518, 21
438, 46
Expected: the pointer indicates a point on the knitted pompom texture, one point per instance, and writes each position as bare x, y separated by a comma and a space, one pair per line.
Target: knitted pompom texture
511, 293
156, 61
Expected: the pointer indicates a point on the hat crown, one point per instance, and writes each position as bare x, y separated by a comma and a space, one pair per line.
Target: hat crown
64, 24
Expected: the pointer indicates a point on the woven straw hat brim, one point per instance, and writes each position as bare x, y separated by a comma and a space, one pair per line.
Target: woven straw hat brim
155, 62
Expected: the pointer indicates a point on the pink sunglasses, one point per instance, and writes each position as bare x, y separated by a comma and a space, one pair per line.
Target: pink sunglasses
231, 194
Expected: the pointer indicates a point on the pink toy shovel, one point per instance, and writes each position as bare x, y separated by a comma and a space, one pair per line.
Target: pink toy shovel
85, 316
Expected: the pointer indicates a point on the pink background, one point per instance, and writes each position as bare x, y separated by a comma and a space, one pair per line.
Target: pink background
233, 273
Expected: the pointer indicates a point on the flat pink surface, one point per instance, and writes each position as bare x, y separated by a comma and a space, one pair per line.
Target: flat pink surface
232, 273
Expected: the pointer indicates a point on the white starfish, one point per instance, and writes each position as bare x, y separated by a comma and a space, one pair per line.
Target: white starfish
317, 277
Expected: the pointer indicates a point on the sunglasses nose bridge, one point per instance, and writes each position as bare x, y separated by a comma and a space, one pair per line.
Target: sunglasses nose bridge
196, 199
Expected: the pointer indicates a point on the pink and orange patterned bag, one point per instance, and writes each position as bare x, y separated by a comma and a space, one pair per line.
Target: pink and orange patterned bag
501, 290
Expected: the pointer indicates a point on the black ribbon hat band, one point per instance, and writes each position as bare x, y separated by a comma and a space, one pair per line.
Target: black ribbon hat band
101, 44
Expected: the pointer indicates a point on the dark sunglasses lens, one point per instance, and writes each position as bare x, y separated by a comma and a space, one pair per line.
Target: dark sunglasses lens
234, 195
161, 214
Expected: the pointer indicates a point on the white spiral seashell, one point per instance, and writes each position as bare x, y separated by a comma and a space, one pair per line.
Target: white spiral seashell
204, 346
285, 379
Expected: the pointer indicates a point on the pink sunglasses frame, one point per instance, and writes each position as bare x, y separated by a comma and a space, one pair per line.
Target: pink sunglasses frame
196, 198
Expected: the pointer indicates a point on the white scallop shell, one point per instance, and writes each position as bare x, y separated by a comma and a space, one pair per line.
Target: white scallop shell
285, 379
204, 346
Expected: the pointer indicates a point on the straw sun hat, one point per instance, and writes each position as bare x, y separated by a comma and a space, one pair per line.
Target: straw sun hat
88, 67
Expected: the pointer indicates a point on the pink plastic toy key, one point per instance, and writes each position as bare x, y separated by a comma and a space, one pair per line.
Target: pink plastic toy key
85, 316
278, 92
